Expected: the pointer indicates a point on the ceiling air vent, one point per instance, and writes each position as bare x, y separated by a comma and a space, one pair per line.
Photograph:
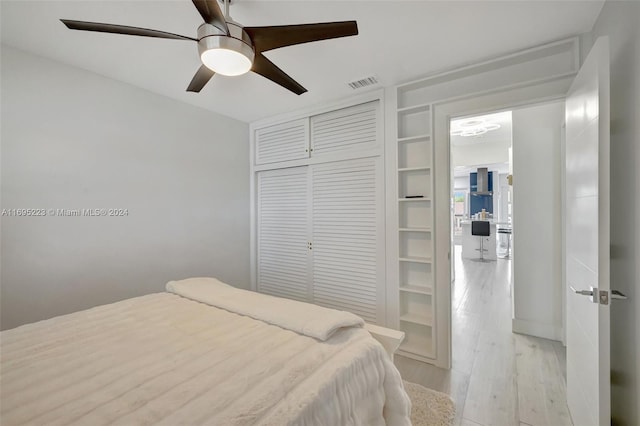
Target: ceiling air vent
364, 82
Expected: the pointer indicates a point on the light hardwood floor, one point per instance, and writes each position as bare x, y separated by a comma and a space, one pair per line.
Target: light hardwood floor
497, 377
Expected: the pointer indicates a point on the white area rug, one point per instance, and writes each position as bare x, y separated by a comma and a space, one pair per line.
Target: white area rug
429, 407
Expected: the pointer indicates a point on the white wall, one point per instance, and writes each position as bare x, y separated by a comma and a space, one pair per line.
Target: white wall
501, 199
482, 153
537, 228
73, 139
621, 22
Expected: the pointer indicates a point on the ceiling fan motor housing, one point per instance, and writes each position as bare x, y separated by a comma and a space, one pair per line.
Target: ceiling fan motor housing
211, 37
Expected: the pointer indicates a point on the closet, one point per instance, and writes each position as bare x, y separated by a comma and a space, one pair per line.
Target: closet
319, 195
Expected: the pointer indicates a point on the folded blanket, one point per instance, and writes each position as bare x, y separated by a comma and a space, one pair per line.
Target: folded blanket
303, 318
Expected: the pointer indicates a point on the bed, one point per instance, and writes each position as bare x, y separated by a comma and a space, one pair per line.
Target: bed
201, 353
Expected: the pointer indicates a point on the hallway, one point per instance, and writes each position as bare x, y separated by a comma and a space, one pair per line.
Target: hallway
497, 377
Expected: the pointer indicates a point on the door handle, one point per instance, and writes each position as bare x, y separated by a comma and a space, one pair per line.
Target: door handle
604, 297
582, 292
615, 294
592, 293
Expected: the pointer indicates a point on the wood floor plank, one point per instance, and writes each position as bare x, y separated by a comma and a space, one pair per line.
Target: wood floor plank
492, 395
561, 354
541, 387
497, 377
467, 422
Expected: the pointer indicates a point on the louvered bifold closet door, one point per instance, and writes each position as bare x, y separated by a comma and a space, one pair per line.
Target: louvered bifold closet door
355, 128
283, 233
282, 142
347, 226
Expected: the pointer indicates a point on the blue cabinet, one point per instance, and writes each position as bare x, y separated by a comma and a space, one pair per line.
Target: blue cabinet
477, 202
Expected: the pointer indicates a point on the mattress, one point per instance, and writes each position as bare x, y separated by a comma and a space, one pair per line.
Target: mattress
168, 359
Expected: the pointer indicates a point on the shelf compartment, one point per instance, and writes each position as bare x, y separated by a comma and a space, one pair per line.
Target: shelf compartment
416, 319
415, 182
415, 213
412, 95
414, 121
416, 276
424, 137
414, 108
402, 200
413, 169
417, 289
415, 244
414, 152
415, 259
415, 229
418, 339
416, 308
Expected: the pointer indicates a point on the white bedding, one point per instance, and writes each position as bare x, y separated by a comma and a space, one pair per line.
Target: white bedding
303, 318
165, 359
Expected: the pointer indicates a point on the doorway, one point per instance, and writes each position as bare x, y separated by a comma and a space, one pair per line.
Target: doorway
480, 191
498, 376
507, 192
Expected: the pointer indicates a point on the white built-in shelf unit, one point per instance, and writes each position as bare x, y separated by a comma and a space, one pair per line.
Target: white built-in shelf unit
415, 226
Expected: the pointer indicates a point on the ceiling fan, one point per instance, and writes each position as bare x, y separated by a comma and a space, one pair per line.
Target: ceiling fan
228, 48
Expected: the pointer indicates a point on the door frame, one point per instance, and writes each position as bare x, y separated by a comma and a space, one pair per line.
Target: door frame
499, 99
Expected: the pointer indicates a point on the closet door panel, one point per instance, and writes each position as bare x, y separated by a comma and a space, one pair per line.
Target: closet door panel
347, 236
283, 233
282, 142
354, 128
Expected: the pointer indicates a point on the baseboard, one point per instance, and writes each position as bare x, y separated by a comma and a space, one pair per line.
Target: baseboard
533, 328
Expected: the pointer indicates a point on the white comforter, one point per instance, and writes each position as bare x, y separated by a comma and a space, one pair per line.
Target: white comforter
166, 359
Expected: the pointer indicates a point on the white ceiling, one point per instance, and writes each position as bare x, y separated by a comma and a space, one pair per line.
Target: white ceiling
491, 148
501, 135
399, 41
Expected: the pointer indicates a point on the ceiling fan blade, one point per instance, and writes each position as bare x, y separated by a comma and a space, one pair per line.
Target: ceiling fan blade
121, 29
202, 77
266, 68
267, 38
211, 13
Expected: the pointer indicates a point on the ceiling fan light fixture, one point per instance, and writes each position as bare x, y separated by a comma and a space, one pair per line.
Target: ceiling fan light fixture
226, 55
472, 127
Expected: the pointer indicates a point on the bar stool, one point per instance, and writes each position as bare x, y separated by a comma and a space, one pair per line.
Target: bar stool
481, 228
506, 231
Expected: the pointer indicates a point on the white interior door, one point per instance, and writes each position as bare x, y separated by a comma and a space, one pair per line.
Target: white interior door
587, 241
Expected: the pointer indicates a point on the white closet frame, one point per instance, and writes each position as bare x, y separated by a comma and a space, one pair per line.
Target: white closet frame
377, 151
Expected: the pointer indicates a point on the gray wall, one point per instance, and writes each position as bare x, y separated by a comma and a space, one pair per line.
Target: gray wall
72, 139
537, 227
621, 22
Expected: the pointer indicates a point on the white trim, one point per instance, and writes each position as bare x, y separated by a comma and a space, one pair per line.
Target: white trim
537, 329
324, 158
563, 224
253, 214
451, 93
381, 252
316, 110
388, 338
496, 100
391, 209
495, 60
